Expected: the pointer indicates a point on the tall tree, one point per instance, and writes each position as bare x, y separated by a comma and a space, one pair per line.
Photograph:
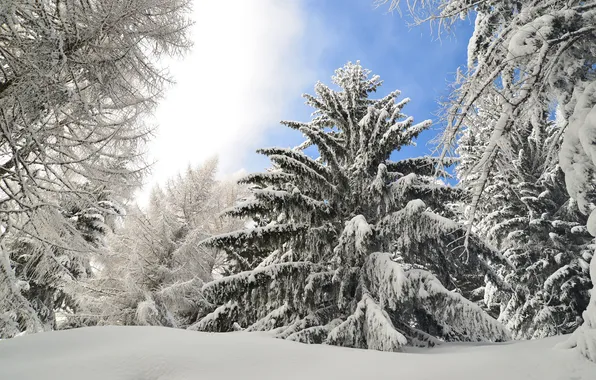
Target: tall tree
526, 213
539, 52
356, 255
75, 77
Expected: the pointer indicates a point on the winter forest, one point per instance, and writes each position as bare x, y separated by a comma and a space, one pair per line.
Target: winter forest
486, 237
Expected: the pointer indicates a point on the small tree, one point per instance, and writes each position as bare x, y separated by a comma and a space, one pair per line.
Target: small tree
357, 256
154, 267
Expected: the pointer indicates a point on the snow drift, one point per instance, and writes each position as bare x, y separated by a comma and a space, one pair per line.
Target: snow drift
157, 353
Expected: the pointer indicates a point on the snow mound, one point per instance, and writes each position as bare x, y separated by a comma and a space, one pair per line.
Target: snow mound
157, 353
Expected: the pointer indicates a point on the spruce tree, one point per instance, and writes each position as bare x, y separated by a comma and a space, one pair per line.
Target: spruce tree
352, 249
526, 212
539, 53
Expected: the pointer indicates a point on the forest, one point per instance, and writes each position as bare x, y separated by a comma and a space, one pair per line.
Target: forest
340, 241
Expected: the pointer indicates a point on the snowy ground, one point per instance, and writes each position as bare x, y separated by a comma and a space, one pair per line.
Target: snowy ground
152, 353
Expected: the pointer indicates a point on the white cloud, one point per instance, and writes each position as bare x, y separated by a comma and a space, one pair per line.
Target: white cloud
248, 63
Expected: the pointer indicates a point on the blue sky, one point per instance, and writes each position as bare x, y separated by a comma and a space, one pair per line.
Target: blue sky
410, 59
252, 60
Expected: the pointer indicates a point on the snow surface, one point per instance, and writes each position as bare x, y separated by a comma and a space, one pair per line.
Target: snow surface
158, 353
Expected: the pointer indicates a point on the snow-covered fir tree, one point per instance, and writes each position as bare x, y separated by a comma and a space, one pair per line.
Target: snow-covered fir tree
526, 213
358, 253
153, 268
539, 52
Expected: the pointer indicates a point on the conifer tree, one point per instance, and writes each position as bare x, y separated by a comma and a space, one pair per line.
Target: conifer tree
539, 53
154, 267
355, 250
48, 275
76, 77
526, 213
